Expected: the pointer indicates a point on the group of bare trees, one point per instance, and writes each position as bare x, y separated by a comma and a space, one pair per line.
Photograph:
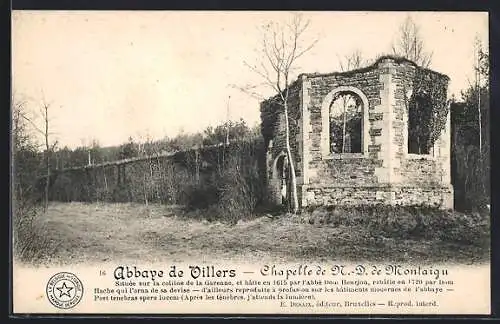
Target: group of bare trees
31, 169
410, 44
470, 137
24, 145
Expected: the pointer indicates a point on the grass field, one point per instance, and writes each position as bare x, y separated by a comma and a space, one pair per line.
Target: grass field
86, 233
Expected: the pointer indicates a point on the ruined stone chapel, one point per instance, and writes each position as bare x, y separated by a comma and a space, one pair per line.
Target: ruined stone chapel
375, 135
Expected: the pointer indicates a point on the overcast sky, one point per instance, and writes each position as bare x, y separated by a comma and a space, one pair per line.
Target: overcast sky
111, 75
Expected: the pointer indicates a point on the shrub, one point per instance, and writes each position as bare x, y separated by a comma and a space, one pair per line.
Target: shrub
236, 199
231, 187
30, 243
200, 196
473, 228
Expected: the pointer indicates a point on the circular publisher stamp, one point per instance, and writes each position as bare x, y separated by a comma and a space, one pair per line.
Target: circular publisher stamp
64, 290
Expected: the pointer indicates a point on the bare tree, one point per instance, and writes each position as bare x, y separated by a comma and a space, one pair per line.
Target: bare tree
410, 44
141, 150
478, 50
19, 130
44, 131
95, 151
352, 61
45, 114
146, 147
480, 69
282, 45
349, 62
21, 141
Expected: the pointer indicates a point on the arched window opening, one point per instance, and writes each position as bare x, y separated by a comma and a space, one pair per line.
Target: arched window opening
419, 119
346, 121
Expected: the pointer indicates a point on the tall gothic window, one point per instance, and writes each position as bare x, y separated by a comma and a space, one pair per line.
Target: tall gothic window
346, 115
419, 118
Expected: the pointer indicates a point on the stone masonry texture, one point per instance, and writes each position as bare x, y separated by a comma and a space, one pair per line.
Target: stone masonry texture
384, 172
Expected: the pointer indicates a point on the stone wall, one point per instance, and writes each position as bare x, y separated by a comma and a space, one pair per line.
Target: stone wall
421, 172
384, 172
274, 133
343, 179
352, 172
317, 88
374, 195
192, 177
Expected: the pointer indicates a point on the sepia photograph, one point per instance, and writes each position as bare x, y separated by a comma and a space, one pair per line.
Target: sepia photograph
246, 137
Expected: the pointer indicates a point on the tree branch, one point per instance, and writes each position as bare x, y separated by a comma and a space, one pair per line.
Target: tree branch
33, 124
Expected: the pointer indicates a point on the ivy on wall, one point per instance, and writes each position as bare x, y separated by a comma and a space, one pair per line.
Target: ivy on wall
272, 114
429, 92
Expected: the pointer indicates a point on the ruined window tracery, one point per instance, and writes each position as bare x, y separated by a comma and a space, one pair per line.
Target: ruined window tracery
346, 120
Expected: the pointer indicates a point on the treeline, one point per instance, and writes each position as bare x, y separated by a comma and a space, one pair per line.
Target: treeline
94, 153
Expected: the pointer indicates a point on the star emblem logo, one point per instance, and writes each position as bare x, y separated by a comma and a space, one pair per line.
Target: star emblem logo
64, 290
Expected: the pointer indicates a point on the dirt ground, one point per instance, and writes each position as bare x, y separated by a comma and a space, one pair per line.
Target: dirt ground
88, 233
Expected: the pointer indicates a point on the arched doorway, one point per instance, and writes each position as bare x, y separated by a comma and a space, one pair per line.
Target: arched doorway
281, 180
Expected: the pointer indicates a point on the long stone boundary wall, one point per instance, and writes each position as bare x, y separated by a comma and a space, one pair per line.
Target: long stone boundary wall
167, 178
